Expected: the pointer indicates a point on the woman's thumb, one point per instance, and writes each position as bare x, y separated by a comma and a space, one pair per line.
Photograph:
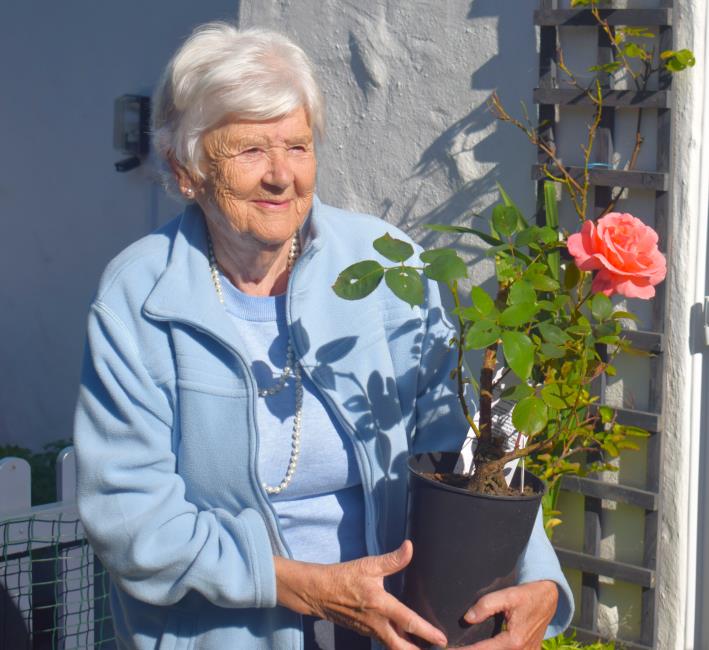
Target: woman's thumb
396, 560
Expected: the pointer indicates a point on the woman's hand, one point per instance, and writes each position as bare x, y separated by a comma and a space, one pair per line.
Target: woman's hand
528, 608
352, 594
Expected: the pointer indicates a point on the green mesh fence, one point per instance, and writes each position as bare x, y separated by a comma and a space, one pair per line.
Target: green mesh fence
53, 590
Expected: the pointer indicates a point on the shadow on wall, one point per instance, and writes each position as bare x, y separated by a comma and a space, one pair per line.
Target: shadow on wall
504, 147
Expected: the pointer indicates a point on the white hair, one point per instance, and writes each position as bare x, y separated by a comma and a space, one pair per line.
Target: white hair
256, 74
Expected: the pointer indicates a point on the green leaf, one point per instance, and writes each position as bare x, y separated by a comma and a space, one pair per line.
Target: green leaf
482, 300
446, 268
522, 291
608, 340
552, 351
635, 51
676, 61
526, 236
601, 307
641, 32
550, 395
636, 432
393, 249
504, 220
551, 211
530, 415
439, 227
433, 254
406, 284
519, 353
517, 392
505, 268
519, 314
581, 329
521, 221
610, 68
482, 334
543, 282
610, 447
495, 250
548, 235
617, 315
358, 280
553, 334
572, 276
606, 413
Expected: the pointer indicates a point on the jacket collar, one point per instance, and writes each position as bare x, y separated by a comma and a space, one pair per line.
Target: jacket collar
185, 291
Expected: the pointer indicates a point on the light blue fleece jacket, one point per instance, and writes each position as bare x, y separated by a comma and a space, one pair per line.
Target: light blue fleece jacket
166, 443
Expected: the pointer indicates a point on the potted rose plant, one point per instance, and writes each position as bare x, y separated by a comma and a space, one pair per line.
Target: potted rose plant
551, 325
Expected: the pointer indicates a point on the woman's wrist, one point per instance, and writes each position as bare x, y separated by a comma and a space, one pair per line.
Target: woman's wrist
294, 584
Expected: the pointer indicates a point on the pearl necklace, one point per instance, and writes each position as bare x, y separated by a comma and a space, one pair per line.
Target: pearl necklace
290, 367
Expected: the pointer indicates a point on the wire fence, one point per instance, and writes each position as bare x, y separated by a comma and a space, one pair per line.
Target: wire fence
53, 589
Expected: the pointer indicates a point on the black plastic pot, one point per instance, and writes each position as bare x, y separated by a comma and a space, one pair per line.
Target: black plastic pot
465, 546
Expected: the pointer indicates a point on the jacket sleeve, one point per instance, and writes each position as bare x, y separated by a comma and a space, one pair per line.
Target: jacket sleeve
156, 545
441, 426
539, 562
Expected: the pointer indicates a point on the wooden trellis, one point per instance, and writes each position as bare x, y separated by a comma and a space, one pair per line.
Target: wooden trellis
549, 95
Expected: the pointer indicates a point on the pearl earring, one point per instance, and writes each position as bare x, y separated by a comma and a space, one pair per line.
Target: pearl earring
189, 192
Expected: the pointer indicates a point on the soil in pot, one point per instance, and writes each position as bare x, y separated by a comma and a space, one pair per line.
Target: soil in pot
465, 545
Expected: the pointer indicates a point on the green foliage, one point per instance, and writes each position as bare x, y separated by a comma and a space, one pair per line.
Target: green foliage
43, 467
359, 280
550, 339
406, 284
676, 61
569, 642
393, 249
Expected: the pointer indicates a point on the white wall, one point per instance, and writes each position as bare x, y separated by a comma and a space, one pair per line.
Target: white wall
65, 211
684, 543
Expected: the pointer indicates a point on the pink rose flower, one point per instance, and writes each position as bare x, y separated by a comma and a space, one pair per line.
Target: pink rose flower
624, 252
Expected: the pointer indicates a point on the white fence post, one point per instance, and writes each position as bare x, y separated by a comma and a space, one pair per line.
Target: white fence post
66, 475
15, 486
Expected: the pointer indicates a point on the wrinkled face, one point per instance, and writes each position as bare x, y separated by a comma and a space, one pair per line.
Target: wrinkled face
259, 176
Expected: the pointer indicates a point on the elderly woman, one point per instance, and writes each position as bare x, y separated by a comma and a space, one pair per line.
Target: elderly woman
242, 432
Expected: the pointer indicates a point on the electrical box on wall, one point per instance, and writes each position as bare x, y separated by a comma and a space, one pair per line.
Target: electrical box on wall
131, 129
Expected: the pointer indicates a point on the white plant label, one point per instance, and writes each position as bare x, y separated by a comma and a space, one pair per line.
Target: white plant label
502, 425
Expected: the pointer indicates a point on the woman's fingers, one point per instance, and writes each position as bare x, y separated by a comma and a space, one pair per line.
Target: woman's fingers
395, 639
528, 608
352, 594
492, 603
410, 622
388, 563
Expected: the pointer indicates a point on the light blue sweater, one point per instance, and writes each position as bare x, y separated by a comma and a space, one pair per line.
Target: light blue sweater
321, 512
169, 488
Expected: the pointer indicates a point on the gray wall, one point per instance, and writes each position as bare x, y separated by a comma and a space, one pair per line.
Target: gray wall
65, 211
410, 135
